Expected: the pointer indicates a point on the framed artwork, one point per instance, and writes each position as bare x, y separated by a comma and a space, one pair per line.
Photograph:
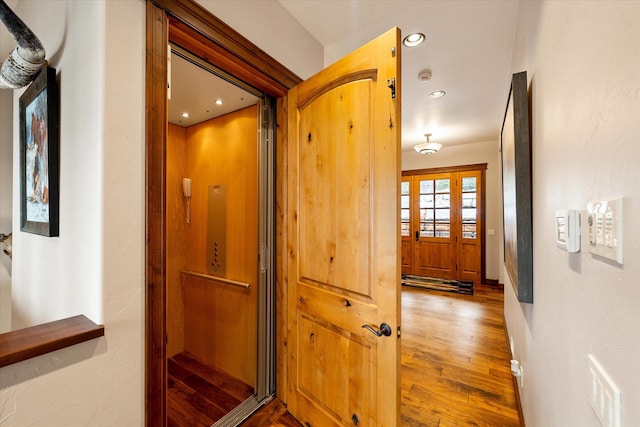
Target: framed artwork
515, 148
39, 175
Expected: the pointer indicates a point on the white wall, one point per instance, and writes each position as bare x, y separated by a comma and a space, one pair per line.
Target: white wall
272, 28
96, 266
583, 62
6, 183
67, 280
481, 152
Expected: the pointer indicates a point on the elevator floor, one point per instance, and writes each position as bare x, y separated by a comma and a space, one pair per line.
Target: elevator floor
199, 395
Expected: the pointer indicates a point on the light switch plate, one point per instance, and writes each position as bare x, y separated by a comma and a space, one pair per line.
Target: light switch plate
604, 395
605, 229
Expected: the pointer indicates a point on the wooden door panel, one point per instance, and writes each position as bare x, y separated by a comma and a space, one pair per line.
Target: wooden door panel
469, 261
335, 194
332, 355
434, 259
343, 237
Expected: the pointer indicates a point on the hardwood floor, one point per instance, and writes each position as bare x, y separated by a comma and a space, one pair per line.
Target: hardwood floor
455, 363
199, 395
455, 360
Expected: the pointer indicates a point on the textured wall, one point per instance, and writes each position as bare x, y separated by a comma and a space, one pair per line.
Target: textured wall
96, 266
583, 63
6, 193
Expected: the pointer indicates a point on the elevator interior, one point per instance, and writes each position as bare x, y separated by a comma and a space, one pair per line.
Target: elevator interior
218, 232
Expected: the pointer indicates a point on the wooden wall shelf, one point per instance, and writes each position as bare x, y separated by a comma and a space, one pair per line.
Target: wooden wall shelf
23, 344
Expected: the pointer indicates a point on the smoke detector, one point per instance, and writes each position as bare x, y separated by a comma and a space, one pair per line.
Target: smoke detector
424, 75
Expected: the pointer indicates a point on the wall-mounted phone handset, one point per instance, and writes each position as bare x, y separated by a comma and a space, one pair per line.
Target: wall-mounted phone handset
186, 189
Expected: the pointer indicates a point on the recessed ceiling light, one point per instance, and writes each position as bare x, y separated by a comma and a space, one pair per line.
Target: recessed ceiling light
437, 94
413, 39
218, 101
185, 114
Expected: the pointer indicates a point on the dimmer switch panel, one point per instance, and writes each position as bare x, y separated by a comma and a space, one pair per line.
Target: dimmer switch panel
605, 229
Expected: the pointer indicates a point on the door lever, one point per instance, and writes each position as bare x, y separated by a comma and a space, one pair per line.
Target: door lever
417, 235
384, 330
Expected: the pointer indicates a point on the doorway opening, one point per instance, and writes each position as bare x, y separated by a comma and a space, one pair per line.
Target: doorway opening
184, 23
442, 223
219, 231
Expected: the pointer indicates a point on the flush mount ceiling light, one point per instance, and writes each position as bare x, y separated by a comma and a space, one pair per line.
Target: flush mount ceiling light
437, 94
413, 39
428, 147
424, 75
218, 101
185, 115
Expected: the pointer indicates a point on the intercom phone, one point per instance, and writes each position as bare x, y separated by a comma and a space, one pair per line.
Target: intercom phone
186, 189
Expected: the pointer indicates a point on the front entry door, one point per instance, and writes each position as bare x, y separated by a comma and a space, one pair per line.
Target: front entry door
442, 216
344, 264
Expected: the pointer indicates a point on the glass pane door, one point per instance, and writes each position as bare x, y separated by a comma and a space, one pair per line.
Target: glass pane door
469, 207
435, 208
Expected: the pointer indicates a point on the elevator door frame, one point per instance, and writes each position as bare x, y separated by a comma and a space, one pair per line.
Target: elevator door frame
215, 41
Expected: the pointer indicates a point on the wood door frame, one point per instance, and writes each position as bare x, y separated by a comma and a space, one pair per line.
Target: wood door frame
464, 168
210, 38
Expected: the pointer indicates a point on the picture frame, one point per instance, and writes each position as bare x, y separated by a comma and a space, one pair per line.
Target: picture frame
39, 156
515, 149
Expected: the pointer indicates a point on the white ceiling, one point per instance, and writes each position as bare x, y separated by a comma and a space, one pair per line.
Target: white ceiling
468, 49
194, 90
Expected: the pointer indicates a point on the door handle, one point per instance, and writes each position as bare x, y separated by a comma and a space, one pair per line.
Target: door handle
417, 235
384, 330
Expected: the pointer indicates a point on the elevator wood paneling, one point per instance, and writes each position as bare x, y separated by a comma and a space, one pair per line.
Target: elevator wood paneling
220, 320
176, 238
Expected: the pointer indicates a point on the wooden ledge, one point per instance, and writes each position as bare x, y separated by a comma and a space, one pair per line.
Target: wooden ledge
26, 343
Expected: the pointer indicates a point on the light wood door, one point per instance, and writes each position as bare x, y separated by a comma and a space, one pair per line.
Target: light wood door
344, 263
442, 231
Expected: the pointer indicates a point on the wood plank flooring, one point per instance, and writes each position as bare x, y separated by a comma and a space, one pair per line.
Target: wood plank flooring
455, 363
199, 395
455, 360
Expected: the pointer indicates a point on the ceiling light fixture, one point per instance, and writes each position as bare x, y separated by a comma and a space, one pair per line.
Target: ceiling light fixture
185, 114
428, 147
218, 101
424, 75
437, 94
413, 39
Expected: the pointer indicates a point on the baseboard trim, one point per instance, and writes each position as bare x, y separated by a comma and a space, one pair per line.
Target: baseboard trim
516, 387
493, 283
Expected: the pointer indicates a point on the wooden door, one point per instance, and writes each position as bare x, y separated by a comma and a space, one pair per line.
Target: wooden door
469, 233
344, 264
443, 231
435, 222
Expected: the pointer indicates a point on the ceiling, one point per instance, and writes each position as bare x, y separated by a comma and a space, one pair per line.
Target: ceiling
468, 50
195, 90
